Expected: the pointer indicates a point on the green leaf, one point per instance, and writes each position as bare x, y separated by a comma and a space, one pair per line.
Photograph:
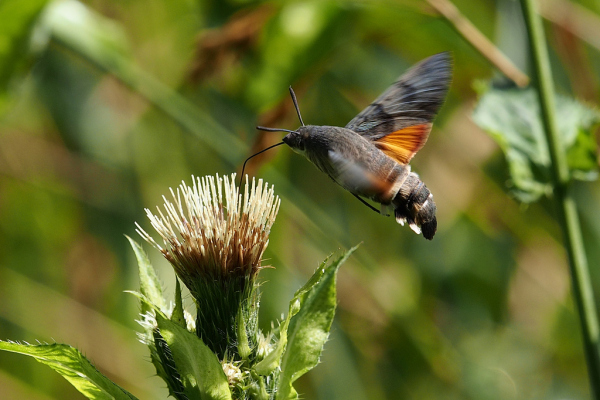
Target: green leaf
512, 118
74, 367
160, 354
163, 361
273, 359
309, 329
178, 316
151, 300
200, 370
149, 283
243, 344
17, 18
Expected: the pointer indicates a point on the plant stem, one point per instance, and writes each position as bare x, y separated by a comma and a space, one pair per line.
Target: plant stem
482, 44
567, 209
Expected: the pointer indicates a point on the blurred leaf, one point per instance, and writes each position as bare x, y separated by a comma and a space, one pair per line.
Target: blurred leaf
299, 36
74, 367
72, 32
16, 21
309, 328
201, 372
512, 118
101, 37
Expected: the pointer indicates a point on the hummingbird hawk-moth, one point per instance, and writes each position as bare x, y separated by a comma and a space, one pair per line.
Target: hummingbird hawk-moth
370, 156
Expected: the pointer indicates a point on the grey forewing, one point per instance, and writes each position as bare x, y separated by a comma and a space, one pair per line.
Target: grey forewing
344, 155
414, 99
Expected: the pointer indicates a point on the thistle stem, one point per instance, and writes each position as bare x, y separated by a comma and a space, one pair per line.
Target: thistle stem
567, 209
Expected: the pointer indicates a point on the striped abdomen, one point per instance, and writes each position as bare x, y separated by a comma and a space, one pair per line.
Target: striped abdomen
412, 201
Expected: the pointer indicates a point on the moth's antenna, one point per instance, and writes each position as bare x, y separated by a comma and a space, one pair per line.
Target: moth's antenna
263, 128
254, 155
296, 105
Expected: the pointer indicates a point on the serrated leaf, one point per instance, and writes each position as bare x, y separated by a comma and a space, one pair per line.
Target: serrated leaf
149, 284
199, 368
273, 359
309, 329
512, 118
74, 367
154, 346
162, 358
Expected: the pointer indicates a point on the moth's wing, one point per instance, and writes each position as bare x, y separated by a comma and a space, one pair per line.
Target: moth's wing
354, 177
399, 121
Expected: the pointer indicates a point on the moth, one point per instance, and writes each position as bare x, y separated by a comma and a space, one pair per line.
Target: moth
370, 156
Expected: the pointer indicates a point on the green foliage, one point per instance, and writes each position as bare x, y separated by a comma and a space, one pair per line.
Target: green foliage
152, 301
93, 132
309, 327
17, 21
189, 367
162, 358
149, 284
313, 27
178, 316
200, 371
273, 360
512, 118
74, 367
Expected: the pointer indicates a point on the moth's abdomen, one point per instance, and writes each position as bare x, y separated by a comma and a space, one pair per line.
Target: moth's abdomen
413, 203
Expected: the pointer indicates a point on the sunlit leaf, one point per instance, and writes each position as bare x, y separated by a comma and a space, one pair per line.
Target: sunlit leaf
512, 118
309, 328
74, 367
273, 359
163, 361
149, 284
178, 316
201, 372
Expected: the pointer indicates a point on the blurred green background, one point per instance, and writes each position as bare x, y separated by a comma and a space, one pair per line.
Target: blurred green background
104, 105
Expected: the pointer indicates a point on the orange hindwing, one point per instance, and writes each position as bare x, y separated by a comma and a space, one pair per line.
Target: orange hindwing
404, 143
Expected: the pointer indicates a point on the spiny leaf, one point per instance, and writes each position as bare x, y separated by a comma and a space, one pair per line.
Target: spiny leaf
273, 359
149, 284
74, 367
162, 358
201, 372
309, 329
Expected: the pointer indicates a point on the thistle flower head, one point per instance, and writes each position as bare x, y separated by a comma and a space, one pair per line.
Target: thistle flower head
210, 231
215, 237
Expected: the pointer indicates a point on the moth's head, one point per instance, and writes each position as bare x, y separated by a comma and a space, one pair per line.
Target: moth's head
297, 139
